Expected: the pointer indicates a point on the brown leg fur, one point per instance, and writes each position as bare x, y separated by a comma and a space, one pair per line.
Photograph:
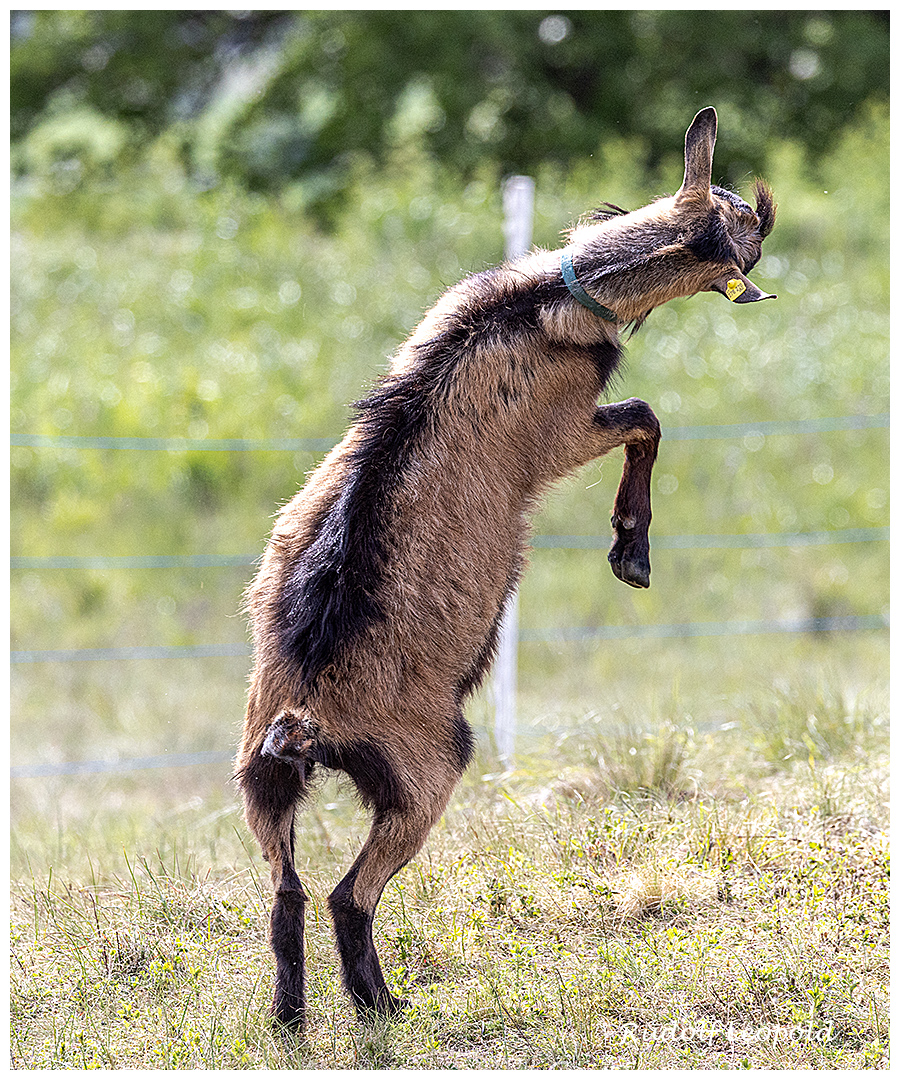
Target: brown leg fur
403, 816
272, 787
407, 792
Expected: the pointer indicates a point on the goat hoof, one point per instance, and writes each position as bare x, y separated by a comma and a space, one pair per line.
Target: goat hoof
384, 1005
633, 570
388, 1005
288, 1016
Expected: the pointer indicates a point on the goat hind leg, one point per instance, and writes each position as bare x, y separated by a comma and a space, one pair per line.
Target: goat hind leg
288, 926
272, 786
353, 916
397, 833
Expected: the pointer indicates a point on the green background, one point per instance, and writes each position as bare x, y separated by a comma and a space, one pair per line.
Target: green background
154, 298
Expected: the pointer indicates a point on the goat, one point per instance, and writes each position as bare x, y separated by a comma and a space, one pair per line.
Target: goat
376, 607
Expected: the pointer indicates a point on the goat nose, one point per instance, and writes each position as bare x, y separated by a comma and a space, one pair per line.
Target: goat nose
738, 289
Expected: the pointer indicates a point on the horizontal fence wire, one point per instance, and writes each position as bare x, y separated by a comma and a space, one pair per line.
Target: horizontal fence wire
156, 761
128, 562
712, 431
811, 426
727, 540
131, 652
546, 636
693, 540
762, 626
710, 629
102, 442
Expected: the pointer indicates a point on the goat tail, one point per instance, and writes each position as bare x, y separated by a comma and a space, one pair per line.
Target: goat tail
273, 778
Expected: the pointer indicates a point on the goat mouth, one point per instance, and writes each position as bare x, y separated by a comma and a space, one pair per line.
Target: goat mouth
739, 289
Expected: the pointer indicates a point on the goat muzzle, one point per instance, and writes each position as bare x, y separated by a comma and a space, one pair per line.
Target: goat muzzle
738, 289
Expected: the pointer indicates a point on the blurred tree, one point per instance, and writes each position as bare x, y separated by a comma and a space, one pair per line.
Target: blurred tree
273, 97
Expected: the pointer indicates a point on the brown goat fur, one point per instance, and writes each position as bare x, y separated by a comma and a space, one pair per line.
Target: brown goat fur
376, 609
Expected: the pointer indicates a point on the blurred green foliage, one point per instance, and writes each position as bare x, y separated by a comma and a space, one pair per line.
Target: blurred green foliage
274, 99
142, 307
155, 293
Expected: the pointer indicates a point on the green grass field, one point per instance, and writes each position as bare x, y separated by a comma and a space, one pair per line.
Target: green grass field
727, 908
687, 864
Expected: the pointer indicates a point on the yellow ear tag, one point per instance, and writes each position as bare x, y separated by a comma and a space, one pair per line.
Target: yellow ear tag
734, 288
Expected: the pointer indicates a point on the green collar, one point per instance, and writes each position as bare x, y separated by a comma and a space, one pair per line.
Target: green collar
577, 289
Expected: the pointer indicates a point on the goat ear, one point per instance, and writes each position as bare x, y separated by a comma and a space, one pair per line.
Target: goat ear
738, 289
698, 153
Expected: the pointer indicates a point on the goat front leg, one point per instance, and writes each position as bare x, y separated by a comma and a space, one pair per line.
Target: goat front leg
634, 424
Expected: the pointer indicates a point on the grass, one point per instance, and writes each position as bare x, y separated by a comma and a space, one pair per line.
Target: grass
743, 922
693, 879
687, 865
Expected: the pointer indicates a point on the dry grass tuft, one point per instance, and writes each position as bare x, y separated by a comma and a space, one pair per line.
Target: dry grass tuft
646, 891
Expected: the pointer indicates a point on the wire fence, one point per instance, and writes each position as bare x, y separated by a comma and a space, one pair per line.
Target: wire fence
119, 765
545, 636
693, 540
553, 635
694, 431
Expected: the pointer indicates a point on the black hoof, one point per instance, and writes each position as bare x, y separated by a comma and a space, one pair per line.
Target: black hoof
384, 1005
631, 567
288, 1018
390, 1005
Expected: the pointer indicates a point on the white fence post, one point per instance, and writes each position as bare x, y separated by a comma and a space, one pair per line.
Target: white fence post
518, 218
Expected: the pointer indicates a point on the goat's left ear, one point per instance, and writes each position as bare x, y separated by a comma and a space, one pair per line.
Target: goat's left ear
738, 289
698, 153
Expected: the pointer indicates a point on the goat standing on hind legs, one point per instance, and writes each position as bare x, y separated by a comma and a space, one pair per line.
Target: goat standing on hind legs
376, 609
